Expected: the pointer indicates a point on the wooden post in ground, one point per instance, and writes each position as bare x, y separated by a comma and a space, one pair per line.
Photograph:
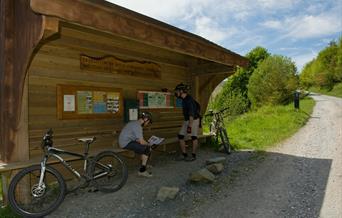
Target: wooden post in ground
20, 32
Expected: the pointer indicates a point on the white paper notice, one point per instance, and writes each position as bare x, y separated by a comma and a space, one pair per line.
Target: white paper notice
133, 114
69, 102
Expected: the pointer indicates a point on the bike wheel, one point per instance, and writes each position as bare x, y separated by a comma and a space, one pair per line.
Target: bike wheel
28, 199
225, 140
108, 171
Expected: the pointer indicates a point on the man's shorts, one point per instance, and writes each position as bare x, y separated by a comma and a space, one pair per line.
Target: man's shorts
194, 128
136, 147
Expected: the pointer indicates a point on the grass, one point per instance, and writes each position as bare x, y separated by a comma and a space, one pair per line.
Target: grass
336, 91
5, 212
268, 125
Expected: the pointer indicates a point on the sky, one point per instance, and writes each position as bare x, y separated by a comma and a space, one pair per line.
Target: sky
298, 29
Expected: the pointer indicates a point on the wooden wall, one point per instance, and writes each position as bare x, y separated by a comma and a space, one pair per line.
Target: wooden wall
57, 62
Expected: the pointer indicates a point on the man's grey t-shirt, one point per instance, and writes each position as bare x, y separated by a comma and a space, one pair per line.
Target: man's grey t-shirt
131, 132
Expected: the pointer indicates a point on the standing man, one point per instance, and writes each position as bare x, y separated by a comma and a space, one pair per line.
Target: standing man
191, 120
131, 138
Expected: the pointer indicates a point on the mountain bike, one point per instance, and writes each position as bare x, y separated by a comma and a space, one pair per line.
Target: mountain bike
39, 189
218, 130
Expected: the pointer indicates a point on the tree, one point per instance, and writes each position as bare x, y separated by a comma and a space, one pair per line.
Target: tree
326, 70
234, 93
273, 82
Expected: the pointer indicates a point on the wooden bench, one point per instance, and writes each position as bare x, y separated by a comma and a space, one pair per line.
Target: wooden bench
173, 140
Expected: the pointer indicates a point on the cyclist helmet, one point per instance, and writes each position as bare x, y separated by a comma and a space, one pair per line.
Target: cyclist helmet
182, 87
146, 115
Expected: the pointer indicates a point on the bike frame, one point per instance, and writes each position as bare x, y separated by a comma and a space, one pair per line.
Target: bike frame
218, 120
55, 152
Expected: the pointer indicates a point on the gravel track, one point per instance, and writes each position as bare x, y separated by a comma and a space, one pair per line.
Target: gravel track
301, 177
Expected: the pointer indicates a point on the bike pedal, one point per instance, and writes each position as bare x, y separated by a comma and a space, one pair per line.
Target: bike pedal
93, 189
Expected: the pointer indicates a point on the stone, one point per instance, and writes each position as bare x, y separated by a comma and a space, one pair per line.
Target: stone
215, 168
167, 192
216, 160
203, 175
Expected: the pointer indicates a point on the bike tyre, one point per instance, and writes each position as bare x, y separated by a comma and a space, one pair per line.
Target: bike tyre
225, 140
122, 167
17, 178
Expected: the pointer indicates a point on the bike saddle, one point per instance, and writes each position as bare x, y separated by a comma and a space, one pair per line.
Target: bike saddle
87, 140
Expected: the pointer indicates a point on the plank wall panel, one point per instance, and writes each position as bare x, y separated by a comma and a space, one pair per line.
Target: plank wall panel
56, 63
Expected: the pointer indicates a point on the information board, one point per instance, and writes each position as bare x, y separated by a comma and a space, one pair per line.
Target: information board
155, 100
87, 102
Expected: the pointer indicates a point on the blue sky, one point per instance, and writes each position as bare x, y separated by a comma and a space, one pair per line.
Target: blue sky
298, 29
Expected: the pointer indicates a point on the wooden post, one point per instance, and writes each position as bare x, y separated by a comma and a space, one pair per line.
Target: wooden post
21, 31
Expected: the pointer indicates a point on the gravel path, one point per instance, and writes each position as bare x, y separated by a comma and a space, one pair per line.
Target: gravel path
302, 177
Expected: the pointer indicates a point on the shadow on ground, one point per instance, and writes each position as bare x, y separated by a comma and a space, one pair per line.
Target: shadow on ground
253, 184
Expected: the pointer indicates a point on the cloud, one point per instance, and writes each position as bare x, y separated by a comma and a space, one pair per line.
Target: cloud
157, 9
209, 29
276, 4
310, 26
306, 26
272, 24
302, 59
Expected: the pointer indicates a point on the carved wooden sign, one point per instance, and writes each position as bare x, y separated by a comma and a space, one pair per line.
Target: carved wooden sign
112, 64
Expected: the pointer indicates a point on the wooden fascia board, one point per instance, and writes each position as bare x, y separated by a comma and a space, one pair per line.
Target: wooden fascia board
211, 69
133, 26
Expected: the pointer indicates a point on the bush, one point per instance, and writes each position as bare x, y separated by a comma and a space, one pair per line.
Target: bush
273, 82
234, 92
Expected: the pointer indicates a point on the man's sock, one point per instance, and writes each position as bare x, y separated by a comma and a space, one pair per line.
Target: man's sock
185, 155
142, 168
194, 155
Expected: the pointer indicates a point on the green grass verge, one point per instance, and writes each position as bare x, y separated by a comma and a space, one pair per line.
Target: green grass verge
5, 212
336, 91
268, 125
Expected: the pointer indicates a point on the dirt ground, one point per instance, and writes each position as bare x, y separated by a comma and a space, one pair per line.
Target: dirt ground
301, 177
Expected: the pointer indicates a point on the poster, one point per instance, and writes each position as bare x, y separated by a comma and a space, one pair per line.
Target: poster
84, 102
69, 103
113, 103
150, 99
133, 114
99, 102
156, 99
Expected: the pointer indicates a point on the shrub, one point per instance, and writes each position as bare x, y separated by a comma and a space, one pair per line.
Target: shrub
273, 82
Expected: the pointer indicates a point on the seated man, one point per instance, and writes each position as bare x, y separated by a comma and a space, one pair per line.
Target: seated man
131, 138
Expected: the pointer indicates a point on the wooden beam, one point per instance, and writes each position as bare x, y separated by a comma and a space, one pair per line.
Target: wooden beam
88, 45
21, 31
116, 20
51, 26
211, 69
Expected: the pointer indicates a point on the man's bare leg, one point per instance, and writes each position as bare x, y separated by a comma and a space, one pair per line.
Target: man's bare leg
182, 145
194, 146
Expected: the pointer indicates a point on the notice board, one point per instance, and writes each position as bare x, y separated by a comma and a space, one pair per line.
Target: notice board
155, 100
88, 102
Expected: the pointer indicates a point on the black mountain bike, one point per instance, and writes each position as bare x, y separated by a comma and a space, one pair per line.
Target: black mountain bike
218, 130
39, 189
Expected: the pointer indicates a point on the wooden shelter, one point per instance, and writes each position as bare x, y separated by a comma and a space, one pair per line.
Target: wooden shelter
54, 53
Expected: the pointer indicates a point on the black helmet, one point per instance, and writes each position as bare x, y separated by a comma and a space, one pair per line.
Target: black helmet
147, 115
182, 87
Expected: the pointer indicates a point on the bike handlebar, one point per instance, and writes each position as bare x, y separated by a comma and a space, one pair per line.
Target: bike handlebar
211, 113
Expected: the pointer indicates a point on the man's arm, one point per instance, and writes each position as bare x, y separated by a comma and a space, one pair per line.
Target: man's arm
142, 141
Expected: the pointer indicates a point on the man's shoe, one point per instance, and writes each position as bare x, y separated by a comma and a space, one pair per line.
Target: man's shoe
145, 174
181, 158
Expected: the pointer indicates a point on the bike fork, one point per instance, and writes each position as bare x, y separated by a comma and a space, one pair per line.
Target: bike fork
42, 172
